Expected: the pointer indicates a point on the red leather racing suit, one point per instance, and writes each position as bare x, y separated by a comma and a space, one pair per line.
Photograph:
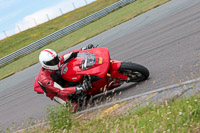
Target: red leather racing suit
54, 90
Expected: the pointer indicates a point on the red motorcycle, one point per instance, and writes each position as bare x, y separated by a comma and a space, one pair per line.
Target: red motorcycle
95, 66
103, 73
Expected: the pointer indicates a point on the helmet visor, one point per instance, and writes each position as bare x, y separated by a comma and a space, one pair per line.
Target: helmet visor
52, 62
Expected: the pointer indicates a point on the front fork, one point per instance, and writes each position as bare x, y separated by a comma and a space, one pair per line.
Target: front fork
114, 73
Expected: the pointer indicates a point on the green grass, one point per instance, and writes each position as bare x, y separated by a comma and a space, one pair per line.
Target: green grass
181, 115
59, 118
103, 24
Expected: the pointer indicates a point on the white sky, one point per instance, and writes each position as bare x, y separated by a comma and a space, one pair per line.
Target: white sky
16, 15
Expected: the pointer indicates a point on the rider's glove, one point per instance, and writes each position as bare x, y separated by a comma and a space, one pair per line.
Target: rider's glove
74, 54
89, 46
85, 86
79, 89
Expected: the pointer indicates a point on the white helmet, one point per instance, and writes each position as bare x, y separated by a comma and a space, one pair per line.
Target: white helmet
49, 59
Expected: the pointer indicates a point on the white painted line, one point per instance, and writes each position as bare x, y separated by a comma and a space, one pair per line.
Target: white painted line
143, 94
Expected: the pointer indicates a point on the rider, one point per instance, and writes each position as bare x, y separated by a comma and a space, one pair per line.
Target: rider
49, 76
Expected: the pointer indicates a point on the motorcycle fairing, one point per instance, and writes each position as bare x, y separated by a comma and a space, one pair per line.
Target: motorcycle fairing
75, 69
114, 67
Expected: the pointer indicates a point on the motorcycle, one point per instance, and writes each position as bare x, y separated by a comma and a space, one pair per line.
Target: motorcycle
95, 66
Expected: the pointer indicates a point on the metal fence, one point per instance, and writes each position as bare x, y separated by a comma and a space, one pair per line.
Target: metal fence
63, 32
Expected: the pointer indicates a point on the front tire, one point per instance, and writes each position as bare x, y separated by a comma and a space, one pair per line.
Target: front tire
135, 72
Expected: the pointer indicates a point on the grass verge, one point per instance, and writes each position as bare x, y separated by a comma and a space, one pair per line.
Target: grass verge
113, 19
178, 115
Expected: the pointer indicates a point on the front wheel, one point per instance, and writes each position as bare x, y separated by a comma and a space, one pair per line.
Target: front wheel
135, 72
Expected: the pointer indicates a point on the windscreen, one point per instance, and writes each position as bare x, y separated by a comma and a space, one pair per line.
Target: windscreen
88, 60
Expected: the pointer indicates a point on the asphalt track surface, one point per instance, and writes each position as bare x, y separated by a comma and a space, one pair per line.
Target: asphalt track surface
165, 40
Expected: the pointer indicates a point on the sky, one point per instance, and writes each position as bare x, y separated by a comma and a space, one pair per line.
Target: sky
19, 15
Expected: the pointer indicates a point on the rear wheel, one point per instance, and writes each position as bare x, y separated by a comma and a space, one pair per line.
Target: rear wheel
135, 72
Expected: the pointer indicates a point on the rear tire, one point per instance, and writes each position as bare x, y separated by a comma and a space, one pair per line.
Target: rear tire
135, 72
